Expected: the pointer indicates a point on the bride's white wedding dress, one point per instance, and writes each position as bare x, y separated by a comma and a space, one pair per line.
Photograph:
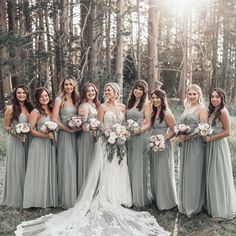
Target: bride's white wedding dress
99, 208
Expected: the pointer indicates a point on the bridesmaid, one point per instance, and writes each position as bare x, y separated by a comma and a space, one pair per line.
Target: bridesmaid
40, 188
16, 113
64, 108
139, 110
191, 170
220, 192
162, 171
86, 142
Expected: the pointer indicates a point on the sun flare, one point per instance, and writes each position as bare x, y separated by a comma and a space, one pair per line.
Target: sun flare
184, 7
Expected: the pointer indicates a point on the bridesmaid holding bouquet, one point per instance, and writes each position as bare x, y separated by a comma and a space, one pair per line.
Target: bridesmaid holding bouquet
191, 170
162, 161
139, 110
40, 188
16, 113
220, 191
86, 141
65, 107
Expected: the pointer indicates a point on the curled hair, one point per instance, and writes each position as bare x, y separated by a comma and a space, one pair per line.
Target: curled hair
84, 91
197, 89
15, 103
162, 95
38, 106
212, 109
75, 94
115, 88
144, 86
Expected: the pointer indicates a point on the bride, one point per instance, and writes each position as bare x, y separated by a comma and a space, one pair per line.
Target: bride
100, 209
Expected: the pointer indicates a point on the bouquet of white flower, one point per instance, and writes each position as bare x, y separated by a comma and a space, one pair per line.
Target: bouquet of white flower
49, 126
115, 139
132, 126
92, 125
182, 129
21, 130
203, 129
157, 143
75, 121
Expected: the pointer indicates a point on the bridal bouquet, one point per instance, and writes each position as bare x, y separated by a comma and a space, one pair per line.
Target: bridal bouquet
49, 126
21, 130
75, 122
203, 129
157, 143
115, 139
182, 129
132, 126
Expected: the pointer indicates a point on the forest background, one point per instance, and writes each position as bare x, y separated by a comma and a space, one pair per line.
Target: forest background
172, 43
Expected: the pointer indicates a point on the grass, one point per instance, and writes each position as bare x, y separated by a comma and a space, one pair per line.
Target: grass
171, 220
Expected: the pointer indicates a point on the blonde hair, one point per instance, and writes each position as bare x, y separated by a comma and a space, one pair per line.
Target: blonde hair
75, 94
197, 89
115, 88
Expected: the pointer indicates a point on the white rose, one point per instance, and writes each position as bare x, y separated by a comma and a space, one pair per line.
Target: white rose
210, 131
71, 124
182, 127
44, 128
25, 128
153, 138
111, 140
151, 144
155, 149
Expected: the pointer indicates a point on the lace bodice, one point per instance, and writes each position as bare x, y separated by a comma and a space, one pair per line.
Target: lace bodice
110, 118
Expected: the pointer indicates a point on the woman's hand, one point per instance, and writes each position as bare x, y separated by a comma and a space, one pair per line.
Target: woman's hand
50, 135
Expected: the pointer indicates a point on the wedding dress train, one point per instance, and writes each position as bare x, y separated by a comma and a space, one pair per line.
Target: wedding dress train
99, 210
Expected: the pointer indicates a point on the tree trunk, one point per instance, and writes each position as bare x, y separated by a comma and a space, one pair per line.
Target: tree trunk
152, 45
5, 76
119, 43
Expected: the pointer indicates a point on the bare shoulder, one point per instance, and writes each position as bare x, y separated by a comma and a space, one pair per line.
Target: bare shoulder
121, 105
58, 100
9, 109
224, 113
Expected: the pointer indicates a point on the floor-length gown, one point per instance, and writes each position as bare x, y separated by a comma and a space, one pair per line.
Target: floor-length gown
162, 173
98, 210
66, 160
40, 189
15, 169
138, 161
220, 191
86, 143
191, 170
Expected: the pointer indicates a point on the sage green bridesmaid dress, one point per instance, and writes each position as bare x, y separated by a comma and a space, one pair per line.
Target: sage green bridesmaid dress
162, 173
86, 144
40, 189
220, 191
138, 161
67, 160
191, 171
13, 186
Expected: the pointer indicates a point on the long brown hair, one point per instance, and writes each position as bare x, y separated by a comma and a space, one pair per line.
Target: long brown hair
162, 95
138, 84
15, 103
84, 91
75, 94
212, 109
38, 106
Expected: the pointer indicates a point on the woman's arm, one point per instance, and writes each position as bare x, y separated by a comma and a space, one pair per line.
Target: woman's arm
33, 118
101, 111
7, 119
170, 121
225, 119
147, 116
